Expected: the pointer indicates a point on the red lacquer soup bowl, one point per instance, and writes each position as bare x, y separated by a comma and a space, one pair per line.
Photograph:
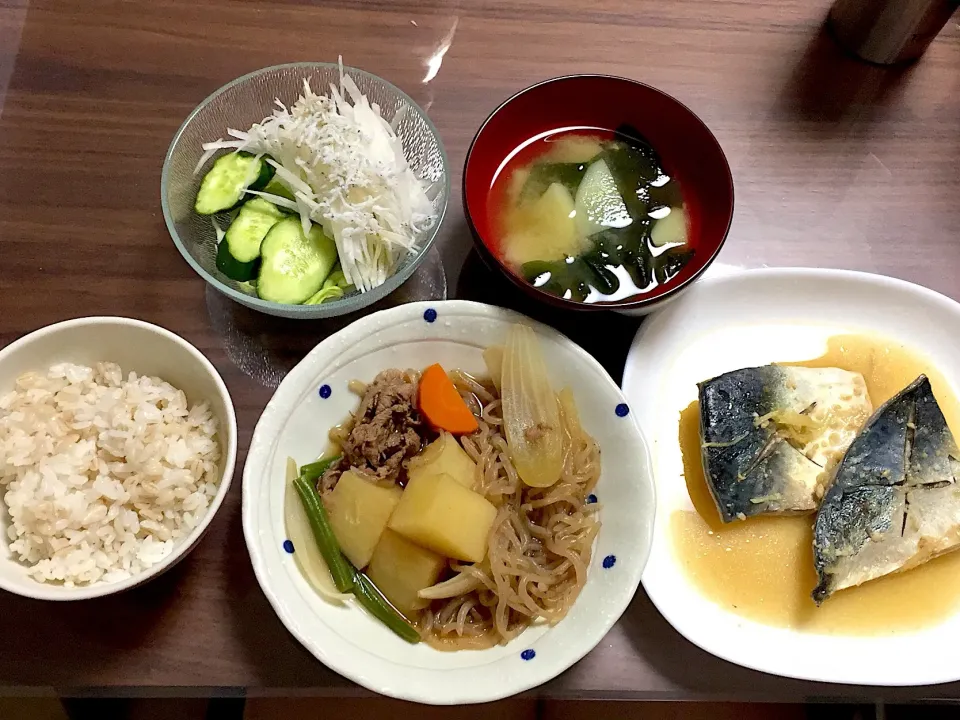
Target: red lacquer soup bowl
598, 103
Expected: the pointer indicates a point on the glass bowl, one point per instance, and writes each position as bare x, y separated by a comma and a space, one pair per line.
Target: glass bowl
247, 100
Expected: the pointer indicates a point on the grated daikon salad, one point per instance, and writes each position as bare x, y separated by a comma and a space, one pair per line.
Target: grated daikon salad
344, 165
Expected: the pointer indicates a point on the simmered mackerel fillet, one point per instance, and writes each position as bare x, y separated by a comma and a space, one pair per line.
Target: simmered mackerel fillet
770, 434
895, 502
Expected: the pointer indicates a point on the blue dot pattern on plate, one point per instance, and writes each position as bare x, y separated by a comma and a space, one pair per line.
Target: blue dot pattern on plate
609, 561
622, 410
591, 499
528, 654
288, 546
325, 391
429, 314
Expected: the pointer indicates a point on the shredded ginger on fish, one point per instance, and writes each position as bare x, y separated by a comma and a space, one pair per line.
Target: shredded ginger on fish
345, 166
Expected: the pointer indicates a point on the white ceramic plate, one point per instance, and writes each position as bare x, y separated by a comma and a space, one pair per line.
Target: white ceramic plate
348, 640
753, 318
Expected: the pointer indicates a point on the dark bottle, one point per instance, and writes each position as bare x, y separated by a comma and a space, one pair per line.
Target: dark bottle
889, 31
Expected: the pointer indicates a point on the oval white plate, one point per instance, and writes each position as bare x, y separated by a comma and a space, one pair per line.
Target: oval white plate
346, 638
753, 318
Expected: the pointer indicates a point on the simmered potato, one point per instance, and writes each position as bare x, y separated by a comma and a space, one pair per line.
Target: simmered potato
401, 569
442, 515
544, 229
671, 230
599, 203
445, 456
359, 510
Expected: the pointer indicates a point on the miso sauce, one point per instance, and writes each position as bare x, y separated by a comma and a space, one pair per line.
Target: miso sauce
590, 215
762, 568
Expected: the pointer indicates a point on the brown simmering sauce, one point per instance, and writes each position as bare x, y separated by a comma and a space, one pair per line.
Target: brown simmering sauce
762, 568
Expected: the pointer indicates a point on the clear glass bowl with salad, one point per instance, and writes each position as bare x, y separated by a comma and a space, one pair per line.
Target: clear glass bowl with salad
307, 190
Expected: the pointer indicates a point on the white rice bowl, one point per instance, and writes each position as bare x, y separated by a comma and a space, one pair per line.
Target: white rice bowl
107, 478
102, 474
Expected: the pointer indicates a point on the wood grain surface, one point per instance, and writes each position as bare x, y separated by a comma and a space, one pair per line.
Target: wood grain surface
836, 164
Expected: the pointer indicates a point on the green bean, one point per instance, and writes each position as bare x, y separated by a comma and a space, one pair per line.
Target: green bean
345, 576
369, 596
342, 572
311, 472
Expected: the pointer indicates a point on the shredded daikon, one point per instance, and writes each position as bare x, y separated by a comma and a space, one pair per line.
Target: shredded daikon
346, 169
217, 230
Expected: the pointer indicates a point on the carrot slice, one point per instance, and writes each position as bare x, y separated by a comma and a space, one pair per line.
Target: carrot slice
442, 405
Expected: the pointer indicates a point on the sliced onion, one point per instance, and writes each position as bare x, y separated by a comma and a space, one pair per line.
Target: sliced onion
571, 417
531, 417
306, 554
457, 585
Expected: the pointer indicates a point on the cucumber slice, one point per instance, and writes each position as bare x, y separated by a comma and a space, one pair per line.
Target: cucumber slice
245, 234
239, 252
233, 268
293, 265
276, 187
225, 185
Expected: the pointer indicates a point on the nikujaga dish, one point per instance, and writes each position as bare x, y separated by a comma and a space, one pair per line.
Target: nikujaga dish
448, 489
454, 508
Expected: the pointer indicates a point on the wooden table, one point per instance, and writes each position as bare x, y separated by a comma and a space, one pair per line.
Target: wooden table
836, 164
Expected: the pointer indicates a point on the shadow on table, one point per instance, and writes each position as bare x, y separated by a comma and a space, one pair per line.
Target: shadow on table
277, 658
831, 88
266, 348
90, 636
687, 666
605, 335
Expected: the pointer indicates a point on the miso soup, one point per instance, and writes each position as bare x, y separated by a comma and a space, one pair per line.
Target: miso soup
590, 215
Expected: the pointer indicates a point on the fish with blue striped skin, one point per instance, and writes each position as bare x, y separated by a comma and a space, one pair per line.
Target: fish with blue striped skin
771, 435
895, 500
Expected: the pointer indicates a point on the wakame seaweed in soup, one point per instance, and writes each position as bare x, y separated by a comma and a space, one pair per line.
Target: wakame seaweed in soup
591, 216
